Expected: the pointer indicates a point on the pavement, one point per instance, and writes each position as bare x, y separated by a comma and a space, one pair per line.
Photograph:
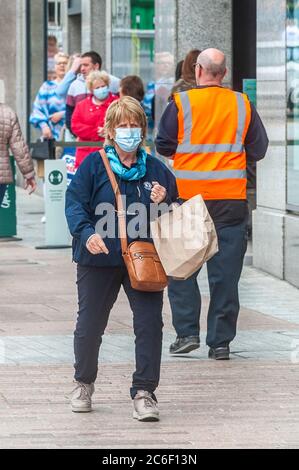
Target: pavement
251, 401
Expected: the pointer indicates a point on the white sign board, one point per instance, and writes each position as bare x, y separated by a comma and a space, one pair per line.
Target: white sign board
57, 232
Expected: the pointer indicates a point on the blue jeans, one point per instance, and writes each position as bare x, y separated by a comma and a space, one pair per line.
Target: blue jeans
98, 289
2, 192
224, 271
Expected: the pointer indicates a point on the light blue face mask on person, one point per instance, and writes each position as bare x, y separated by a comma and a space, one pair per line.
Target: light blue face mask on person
128, 138
101, 93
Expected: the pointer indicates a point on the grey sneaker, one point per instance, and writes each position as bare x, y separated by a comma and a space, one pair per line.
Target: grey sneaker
184, 345
145, 407
81, 397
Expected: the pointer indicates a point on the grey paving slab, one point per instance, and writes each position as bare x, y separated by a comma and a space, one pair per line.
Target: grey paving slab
202, 405
250, 401
263, 293
117, 348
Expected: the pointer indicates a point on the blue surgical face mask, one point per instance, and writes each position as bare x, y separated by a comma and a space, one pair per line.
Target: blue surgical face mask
128, 138
101, 93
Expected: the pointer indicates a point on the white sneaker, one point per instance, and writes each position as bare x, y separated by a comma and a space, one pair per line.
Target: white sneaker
81, 397
43, 219
145, 407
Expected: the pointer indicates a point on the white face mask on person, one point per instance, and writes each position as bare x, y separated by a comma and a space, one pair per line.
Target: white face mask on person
128, 138
101, 93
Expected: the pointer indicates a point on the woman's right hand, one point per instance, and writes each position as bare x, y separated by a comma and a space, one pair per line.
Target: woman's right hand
47, 133
56, 117
75, 68
96, 245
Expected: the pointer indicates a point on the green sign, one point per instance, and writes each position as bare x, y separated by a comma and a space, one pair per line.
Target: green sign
249, 88
8, 217
55, 177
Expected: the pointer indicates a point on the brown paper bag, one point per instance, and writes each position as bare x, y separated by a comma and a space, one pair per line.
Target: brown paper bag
185, 238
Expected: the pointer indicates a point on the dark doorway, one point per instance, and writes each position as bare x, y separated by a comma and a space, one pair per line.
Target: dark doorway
244, 41
244, 67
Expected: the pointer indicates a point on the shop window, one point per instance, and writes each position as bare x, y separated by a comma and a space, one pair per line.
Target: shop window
292, 59
133, 38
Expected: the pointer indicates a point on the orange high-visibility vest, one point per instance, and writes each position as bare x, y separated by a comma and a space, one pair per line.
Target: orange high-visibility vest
210, 158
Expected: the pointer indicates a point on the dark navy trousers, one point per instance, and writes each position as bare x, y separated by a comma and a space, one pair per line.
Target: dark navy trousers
98, 288
2, 192
224, 271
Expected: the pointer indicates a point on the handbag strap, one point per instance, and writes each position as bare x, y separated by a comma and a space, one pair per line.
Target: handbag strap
121, 214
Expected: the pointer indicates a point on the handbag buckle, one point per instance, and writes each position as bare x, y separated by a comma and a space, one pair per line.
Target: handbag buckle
120, 213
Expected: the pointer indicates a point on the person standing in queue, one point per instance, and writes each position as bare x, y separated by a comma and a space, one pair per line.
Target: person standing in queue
89, 115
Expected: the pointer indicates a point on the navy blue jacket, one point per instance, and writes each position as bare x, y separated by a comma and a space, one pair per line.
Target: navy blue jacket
90, 187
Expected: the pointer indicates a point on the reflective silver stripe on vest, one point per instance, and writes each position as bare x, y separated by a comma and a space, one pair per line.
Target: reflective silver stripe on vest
187, 147
210, 175
209, 148
241, 117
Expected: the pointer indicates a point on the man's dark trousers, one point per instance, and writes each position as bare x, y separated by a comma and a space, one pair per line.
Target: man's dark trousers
98, 288
224, 271
2, 192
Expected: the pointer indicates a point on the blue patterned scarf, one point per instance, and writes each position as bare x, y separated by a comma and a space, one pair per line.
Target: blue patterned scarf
136, 172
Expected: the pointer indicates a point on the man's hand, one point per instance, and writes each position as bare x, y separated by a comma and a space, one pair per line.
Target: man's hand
47, 133
56, 117
95, 245
158, 193
30, 185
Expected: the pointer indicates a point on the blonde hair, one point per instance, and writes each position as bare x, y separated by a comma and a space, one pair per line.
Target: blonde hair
60, 55
124, 108
97, 75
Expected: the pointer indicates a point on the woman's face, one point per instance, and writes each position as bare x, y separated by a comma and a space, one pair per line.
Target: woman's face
125, 123
60, 67
98, 84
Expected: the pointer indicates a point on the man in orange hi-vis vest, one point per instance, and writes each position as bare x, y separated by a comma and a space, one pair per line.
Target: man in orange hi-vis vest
210, 132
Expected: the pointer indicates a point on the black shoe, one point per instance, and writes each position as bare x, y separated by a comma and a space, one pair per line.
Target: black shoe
221, 353
184, 345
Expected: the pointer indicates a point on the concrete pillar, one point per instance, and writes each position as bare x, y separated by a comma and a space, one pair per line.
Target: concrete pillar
37, 45
94, 27
64, 24
13, 77
205, 24
21, 65
8, 52
74, 33
182, 25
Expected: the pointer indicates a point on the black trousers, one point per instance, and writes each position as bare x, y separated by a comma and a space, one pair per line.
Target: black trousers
98, 289
224, 271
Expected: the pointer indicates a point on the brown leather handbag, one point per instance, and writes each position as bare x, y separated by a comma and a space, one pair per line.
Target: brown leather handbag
144, 267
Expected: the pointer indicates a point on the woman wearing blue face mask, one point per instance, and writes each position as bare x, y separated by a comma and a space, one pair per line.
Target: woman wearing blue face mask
90, 205
89, 115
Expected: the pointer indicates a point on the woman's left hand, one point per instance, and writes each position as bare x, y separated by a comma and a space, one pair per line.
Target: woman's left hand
158, 193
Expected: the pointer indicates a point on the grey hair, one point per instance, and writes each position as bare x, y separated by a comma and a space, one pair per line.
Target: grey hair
214, 69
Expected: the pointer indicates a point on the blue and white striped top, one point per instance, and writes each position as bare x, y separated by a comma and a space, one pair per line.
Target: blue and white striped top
50, 100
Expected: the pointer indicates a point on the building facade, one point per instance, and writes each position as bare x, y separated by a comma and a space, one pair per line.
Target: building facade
276, 220
148, 38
